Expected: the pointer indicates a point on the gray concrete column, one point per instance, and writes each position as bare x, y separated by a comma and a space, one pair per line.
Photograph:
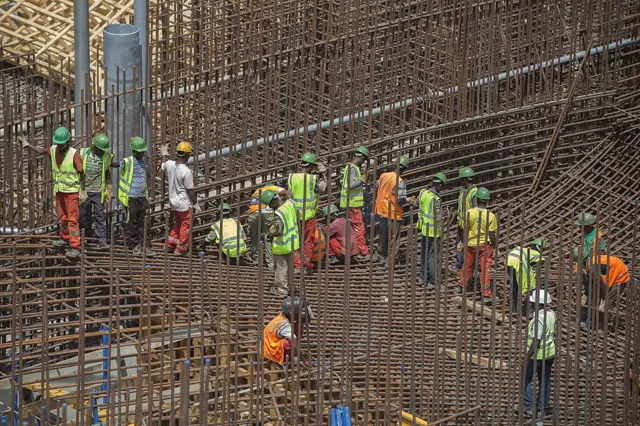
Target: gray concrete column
81, 59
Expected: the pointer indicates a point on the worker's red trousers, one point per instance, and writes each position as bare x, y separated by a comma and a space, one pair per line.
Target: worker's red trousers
357, 223
179, 236
307, 245
484, 253
68, 214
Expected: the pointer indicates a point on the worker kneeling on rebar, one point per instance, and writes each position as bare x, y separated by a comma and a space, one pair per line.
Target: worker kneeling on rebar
279, 334
522, 263
229, 233
339, 243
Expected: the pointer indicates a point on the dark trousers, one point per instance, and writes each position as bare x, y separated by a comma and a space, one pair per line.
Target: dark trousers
544, 382
515, 290
430, 270
136, 213
94, 203
389, 232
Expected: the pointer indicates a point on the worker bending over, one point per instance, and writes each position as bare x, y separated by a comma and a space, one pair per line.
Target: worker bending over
522, 264
480, 241
285, 328
430, 220
66, 170
229, 233
304, 187
339, 227
591, 235
466, 201
261, 212
352, 196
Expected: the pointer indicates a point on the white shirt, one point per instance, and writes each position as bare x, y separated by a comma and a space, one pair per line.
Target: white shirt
180, 179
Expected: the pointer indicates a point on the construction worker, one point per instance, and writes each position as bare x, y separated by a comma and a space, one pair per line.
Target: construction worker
260, 211
592, 236
480, 241
284, 237
430, 225
522, 264
304, 187
352, 195
466, 201
133, 193
66, 170
541, 352
392, 195
229, 231
182, 196
96, 187
286, 327
338, 228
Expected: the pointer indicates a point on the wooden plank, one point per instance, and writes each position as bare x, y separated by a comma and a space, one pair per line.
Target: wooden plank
477, 360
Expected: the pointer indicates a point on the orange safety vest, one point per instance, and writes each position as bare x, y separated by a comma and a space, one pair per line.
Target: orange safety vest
618, 271
319, 244
386, 194
272, 344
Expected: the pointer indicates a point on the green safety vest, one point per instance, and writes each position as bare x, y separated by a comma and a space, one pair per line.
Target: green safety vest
354, 195
301, 184
290, 239
521, 261
66, 178
547, 345
106, 163
126, 178
464, 203
427, 215
232, 237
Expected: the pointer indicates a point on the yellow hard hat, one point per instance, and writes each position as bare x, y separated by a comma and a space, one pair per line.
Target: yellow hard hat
185, 147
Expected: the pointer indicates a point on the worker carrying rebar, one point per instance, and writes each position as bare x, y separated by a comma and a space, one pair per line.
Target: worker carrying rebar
182, 196
96, 187
430, 218
133, 193
229, 233
522, 263
284, 237
480, 241
339, 227
391, 197
466, 201
592, 236
304, 187
66, 170
258, 211
285, 328
352, 196
541, 352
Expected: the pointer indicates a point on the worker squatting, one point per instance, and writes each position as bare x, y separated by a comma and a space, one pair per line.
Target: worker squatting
293, 231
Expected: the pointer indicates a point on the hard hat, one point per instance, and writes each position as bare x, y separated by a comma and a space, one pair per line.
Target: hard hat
483, 194
362, 151
540, 296
61, 135
101, 141
225, 208
539, 242
184, 147
440, 177
576, 254
138, 145
330, 209
268, 196
309, 158
466, 172
299, 305
403, 161
585, 219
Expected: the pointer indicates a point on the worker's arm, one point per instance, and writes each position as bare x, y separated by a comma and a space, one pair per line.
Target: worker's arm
494, 239
354, 182
402, 193
493, 230
535, 344
191, 193
33, 148
321, 184
277, 228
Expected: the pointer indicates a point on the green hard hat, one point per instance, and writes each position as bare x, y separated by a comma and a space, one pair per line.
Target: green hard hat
466, 172
539, 242
585, 219
138, 145
483, 194
329, 210
403, 161
267, 196
362, 150
61, 135
101, 141
309, 157
225, 208
440, 177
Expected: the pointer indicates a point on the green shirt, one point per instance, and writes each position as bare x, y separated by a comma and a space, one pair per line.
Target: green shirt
93, 174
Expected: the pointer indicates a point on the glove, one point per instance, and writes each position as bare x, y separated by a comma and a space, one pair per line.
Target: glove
82, 197
365, 177
460, 246
109, 192
164, 150
23, 141
321, 168
197, 209
269, 237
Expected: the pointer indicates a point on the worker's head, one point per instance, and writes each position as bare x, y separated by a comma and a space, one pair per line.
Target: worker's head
61, 138
360, 155
438, 181
466, 176
540, 297
483, 196
101, 144
271, 199
225, 210
297, 309
330, 210
403, 163
538, 244
138, 147
587, 221
184, 151
308, 161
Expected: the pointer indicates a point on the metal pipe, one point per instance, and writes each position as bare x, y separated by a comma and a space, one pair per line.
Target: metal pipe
81, 56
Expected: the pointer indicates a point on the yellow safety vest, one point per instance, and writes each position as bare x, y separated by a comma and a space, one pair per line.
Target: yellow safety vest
521, 261
126, 178
303, 192
232, 237
464, 203
354, 195
547, 345
106, 163
429, 220
66, 178
290, 238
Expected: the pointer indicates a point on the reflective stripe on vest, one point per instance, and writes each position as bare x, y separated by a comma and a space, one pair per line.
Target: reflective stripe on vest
106, 162
272, 344
464, 203
355, 195
290, 239
427, 215
547, 345
388, 182
232, 237
66, 178
521, 262
301, 184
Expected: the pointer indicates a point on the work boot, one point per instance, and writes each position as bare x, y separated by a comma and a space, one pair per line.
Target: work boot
102, 245
180, 253
527, 411
60, 243
137, 250
490, 300
278, 291
431, 286
333, 260
149, 252
360, 258
72, 253
453, 270
459, 290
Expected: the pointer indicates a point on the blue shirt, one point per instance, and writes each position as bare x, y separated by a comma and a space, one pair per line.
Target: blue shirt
139, 182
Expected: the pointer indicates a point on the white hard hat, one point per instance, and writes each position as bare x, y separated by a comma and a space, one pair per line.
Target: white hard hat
543, 297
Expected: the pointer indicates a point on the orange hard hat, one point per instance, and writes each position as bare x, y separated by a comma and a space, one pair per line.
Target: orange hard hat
184, 147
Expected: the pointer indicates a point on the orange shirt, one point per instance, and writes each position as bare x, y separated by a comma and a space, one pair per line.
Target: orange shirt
387, 193
618, 272
272, 344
